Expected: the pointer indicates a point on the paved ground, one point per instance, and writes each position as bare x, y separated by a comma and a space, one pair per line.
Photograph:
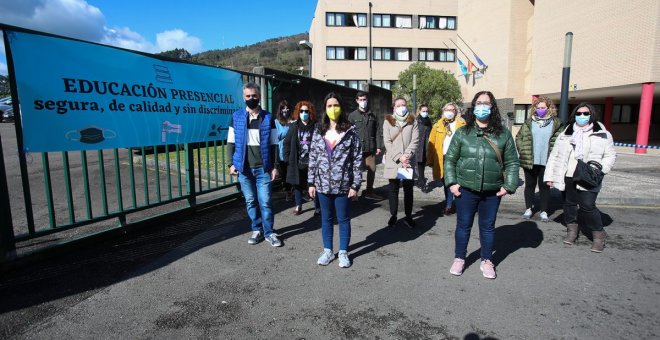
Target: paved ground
198, 278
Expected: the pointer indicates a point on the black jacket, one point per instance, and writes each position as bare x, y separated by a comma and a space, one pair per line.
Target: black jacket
291, 152
369, 130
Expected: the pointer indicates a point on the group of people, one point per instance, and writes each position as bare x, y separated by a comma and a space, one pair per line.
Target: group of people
322, 156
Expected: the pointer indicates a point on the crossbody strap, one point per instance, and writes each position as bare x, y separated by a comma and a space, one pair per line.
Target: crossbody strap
497, 151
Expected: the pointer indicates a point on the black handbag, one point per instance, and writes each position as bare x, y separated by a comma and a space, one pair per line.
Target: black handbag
588, 175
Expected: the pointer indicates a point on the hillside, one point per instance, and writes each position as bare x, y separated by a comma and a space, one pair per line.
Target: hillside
282, 53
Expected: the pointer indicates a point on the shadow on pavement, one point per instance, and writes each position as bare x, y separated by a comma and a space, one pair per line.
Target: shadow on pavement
508, 240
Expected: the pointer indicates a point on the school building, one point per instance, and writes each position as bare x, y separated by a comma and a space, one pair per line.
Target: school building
514, 48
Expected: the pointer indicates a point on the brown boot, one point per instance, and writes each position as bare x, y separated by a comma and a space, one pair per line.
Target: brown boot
571, 233
599, 241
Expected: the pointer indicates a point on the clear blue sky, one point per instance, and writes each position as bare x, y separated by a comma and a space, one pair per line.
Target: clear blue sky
159, 25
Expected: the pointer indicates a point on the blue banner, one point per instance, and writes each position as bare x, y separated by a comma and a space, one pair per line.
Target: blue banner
82, 96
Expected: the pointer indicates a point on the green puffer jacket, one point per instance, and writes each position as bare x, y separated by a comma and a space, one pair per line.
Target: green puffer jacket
525, 144
472, 163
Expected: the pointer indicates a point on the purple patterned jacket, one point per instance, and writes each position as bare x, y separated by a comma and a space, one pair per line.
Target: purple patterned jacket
337, 173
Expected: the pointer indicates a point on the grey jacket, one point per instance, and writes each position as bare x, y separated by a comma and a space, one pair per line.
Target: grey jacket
339, 173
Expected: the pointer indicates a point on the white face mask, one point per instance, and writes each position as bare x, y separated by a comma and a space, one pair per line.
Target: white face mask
448, 114
424, 114
363, 104
401, 111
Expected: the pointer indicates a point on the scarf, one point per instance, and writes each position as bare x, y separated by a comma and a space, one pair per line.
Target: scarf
577, 141
446, 123
543, 122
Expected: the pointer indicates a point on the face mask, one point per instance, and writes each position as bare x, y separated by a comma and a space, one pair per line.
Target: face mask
304, 116
482, 112
424, 114
448, 114
401, 113
363, 104
582, 120
252, 103
285, 113
541, 112
333, 112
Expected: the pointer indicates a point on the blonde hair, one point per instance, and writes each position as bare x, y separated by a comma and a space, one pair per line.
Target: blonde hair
552, 109
457, 108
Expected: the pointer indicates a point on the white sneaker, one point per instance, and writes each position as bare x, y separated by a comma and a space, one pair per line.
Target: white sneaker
344, 261
326, 257
544, 216
528, 214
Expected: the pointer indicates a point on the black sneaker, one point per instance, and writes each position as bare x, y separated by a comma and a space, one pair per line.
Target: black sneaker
392, 221
408, 221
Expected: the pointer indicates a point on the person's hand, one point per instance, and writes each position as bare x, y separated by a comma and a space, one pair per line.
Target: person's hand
377, 152
352, 193
454, 190
233, 171
403, 159
549, 184
273, 174
501, 193
312, 192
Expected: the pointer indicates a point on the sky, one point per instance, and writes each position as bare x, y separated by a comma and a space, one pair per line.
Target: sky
161, 25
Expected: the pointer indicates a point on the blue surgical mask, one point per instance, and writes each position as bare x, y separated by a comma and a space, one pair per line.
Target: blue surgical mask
482, 112
582, 120
304, 116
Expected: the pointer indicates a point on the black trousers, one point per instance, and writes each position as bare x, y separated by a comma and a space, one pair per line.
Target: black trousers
407, 196
586, 201
532, 178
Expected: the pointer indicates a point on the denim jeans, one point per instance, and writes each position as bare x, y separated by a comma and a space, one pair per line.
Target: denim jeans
467, 204
341, 205
586, 200
532, 178
449, 197
407, 196
257, 186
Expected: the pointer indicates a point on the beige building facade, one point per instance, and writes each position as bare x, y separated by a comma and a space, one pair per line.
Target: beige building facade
615, 60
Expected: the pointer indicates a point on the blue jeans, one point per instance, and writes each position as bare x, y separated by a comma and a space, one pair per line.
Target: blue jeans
257, 186
340, 204
449, 197
487, 204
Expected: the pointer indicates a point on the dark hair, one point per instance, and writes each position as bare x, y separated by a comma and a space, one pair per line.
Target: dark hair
419, 109
361, 94
279, 115
312, 110
592, 118
494, 121
342, 121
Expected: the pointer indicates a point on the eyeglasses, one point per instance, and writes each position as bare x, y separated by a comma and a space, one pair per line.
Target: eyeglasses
586, 113
484, 103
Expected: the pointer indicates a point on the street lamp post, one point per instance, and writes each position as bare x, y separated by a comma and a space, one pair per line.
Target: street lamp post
371, 50
306, 44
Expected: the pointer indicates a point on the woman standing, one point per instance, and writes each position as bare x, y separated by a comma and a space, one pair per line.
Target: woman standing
282, 125
441, 135
424, 124
534, 142
485, 153
296, 152
584, 139
334, 174
401, 137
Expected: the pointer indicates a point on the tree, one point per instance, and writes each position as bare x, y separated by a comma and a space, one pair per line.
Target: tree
435, 88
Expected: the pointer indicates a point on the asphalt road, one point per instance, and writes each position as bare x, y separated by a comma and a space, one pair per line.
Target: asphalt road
198, 278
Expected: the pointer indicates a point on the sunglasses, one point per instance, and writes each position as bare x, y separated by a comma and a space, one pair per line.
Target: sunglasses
304, 111
578, 113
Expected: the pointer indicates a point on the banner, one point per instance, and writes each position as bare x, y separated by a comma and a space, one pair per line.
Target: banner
77, 95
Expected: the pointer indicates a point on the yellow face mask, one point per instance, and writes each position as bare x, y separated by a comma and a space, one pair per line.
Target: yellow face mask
333, 112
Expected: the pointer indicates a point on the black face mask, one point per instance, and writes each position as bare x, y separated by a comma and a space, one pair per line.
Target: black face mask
91, 135
252, 103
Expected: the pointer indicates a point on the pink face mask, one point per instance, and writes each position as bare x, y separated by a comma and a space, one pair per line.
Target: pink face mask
541, 112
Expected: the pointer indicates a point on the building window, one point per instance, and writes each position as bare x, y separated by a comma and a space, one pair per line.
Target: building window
434, 22
356, 84
655, 114
402, 54
382, 53
392, 20
622, 114
346, 19
386, 84
520, 113
388, 53
425, 54
345, 53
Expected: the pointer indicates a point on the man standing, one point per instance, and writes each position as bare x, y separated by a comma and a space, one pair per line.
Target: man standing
252, 144
371, 136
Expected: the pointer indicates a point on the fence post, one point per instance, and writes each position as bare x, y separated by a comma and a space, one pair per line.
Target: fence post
190, 175
7, 240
